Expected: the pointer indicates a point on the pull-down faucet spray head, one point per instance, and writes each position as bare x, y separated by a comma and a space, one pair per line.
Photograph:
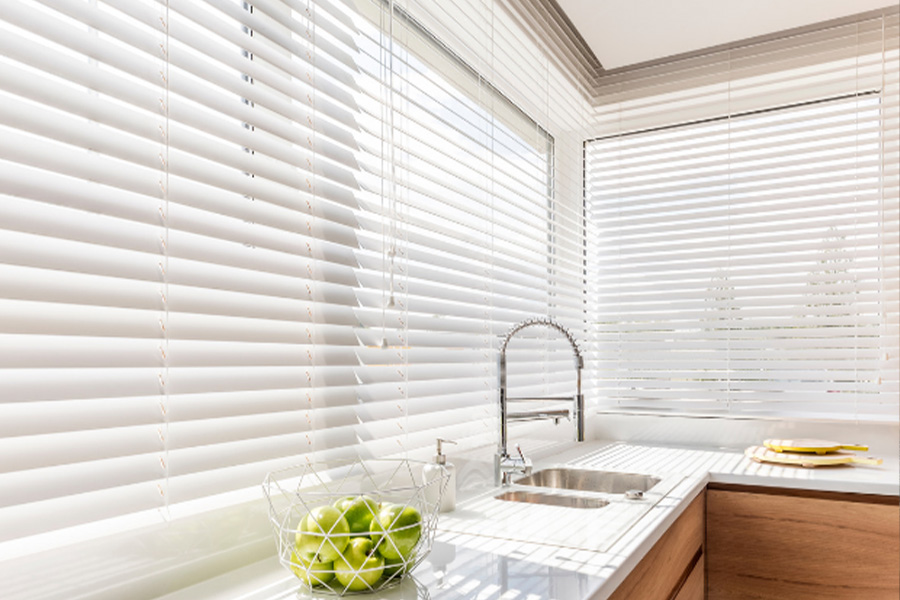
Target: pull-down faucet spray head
505, 464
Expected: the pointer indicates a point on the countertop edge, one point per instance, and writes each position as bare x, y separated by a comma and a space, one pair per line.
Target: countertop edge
819, 485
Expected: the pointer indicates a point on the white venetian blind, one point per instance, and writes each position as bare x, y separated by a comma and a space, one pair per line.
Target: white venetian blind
237, 234
461, 238
177, 252
744, 213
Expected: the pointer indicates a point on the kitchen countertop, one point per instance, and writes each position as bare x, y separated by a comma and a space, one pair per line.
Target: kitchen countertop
466, 565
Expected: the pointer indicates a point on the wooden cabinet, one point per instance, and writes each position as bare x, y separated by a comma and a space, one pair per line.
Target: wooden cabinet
673, 567
763, 544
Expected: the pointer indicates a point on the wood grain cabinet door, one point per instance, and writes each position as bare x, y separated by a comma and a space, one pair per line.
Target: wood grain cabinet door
667, 569
765, 546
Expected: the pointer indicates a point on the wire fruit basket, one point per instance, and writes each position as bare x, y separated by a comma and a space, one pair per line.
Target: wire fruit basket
353, 526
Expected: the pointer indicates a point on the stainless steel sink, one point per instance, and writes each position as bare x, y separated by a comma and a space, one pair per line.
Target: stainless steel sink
586, 480
521, 512
552, 499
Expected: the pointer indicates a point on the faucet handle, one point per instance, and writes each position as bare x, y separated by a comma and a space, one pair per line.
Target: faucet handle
526, 462
508, 465
521, 454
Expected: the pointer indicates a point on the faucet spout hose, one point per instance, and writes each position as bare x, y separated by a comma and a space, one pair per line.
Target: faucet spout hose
578, 399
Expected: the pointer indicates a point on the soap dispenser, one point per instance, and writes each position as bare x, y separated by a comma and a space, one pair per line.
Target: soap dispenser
434, 471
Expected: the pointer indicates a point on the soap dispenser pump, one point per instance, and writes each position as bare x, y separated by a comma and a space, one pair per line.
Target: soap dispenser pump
434, 471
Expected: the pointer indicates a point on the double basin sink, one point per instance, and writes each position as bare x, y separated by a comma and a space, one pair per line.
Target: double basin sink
569, 506
632, 485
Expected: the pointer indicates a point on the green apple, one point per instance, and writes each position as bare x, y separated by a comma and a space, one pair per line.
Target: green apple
359, 512
324, 532
360, 567
398, 565
396, 530
311, 572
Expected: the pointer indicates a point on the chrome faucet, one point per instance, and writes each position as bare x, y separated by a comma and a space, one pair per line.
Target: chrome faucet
504, 464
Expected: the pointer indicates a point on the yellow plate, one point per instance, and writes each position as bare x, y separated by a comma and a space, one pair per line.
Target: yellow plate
812, 446
763, 454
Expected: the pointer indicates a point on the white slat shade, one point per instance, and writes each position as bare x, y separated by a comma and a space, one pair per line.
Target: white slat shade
178, 252
462, 195
205, 208
745, 247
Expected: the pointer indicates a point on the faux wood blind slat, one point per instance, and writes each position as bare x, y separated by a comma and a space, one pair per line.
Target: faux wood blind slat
198, 206
744, 248
178, 252
478, 240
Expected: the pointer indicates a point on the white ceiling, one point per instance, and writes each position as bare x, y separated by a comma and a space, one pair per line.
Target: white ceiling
627, 32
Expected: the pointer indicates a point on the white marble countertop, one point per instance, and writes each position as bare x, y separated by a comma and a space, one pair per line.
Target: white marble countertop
472, 566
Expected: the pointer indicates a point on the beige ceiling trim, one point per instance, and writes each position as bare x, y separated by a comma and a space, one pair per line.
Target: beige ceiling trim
549, 26
752, 41
551, 29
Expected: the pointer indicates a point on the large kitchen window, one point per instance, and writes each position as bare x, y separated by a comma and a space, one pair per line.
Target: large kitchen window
237, 235
746, 264
459, 241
